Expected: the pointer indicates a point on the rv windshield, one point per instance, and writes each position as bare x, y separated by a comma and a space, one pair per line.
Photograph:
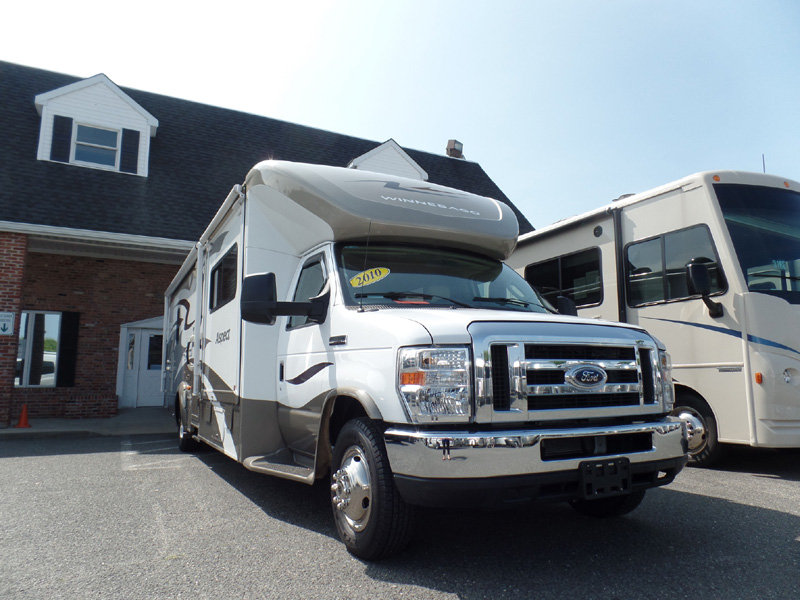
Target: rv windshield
413, 276
764, 224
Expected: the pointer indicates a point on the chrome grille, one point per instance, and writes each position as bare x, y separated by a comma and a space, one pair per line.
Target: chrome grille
541, 377
563, 371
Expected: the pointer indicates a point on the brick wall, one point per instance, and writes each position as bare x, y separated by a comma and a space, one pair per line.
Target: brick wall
12, 265
106, 293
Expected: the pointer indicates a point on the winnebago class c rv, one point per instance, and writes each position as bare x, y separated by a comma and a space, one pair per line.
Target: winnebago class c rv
353, 325
711, 265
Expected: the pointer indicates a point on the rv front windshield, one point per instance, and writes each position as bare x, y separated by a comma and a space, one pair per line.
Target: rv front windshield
416, 277
764, 224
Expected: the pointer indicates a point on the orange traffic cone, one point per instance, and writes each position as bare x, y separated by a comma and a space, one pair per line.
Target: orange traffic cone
23, 417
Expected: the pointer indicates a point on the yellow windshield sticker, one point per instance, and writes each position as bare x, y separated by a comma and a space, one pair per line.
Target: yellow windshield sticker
368, 277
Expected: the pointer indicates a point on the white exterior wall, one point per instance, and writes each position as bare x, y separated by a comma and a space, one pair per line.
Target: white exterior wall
391, 159
98, 106
391, 163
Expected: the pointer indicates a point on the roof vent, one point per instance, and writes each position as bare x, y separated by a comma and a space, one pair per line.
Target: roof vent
455, 149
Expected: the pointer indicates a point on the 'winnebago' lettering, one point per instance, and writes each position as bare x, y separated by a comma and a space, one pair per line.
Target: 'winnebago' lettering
433, 204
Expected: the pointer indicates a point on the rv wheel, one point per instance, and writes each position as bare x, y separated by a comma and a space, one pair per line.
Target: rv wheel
372, 519
186, 442
614, 506
704, 446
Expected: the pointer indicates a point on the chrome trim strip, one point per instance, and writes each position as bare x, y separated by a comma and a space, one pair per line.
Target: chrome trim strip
454, 454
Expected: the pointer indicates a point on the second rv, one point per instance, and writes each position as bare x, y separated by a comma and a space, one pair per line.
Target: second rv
711, 265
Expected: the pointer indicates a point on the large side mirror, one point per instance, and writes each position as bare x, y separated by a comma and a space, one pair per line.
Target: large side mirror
259, 303
698, 280
259, 298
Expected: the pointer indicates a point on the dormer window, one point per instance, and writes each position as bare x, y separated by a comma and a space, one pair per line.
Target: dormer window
96, 146
92, 123
92, 146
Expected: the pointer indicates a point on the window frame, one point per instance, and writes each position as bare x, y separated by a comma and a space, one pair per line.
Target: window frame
214, 302
560, 271
76, 144
661, 237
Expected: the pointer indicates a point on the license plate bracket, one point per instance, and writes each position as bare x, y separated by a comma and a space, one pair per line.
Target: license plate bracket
605, 477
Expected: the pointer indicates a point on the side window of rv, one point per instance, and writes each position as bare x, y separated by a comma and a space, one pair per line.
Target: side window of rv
656, 268
310, 283
575, 275
223, 280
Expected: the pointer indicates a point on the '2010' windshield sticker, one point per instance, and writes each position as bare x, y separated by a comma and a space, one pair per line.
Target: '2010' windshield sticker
368, 277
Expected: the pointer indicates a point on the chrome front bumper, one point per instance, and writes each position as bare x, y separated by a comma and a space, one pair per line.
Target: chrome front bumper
432, 455
498, 468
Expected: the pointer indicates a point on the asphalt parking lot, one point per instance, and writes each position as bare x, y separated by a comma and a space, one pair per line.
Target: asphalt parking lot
129, 516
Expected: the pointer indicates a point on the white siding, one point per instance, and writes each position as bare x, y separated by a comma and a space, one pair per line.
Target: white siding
389, 162
391, 159
99, 106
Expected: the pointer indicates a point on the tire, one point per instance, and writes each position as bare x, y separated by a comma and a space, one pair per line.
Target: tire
614, 506
704, 447
372, 519
186, 443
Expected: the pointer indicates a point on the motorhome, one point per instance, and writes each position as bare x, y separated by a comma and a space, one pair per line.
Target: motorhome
710, 265
357, 326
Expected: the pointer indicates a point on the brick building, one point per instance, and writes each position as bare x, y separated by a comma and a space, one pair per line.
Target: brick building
103, 191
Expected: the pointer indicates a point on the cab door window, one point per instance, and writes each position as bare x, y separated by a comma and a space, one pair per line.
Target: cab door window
311, 282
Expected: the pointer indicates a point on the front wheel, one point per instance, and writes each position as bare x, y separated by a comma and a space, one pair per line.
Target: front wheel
614, 506
701, 426
372, 519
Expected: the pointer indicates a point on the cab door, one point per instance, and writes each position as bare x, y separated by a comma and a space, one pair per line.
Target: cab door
305, 364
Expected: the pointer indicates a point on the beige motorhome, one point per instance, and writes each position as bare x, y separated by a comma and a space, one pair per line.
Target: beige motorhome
341, 324
710, 265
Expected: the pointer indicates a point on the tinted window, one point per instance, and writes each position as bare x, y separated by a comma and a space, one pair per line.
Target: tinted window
576, 276
656, 268
223, 280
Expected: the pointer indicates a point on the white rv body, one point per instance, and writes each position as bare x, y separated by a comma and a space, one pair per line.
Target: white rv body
736, 361
336, 320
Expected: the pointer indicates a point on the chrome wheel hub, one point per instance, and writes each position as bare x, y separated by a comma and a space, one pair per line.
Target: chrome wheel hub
695, 428
351, 489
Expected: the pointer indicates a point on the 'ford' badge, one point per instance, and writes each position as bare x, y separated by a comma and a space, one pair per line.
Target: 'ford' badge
586, 376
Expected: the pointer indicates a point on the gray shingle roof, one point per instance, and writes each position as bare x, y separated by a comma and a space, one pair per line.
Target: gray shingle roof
198, 154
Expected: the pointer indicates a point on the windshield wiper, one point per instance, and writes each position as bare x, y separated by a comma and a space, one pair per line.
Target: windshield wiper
512, 301
774, 276
408, 295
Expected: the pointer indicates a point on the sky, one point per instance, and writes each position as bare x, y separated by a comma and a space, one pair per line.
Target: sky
566, 104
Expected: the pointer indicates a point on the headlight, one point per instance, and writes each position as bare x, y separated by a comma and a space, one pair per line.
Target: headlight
667, 387
435, 384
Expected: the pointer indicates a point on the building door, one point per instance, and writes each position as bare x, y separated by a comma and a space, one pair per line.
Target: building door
139, 371
148, 387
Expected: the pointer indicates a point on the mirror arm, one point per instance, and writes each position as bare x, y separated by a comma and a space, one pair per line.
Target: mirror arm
715, 310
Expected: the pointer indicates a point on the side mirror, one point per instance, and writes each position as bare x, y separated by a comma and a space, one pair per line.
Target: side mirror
259, 298
566, 306
319, 304
698, 280
259, 303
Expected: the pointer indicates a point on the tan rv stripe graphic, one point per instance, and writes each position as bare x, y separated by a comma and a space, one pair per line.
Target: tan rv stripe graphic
308, 373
